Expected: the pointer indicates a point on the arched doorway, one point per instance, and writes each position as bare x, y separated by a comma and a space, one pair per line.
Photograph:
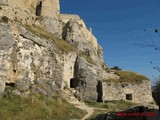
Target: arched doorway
39, 9
100, 92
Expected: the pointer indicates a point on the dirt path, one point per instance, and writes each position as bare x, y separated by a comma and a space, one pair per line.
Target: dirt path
89, 110
83, 106
80, 105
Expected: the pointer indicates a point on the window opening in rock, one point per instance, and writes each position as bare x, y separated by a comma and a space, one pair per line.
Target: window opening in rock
129, 97
39, 9
73, 83
10, 84
100, 92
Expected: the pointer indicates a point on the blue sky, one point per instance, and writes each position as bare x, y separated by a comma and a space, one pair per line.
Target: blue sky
118, 25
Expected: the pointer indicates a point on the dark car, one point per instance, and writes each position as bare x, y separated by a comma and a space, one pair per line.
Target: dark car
135, 113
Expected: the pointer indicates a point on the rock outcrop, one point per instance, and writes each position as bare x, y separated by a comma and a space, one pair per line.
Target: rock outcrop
40, 48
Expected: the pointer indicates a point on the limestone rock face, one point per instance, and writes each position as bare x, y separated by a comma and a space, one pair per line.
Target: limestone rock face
79, 36
69, 60
27, 58
7, 39
87, 77
52, 25
73, 34
4, 2
6, 51
33, 35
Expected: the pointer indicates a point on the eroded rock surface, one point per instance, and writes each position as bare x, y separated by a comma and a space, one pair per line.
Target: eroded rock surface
35, 54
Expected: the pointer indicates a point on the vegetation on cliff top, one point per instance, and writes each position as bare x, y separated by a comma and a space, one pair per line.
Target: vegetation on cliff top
128, 76
37, 107
61, 44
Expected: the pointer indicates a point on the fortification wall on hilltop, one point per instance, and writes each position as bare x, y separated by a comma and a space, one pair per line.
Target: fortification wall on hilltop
50, 8
27, 10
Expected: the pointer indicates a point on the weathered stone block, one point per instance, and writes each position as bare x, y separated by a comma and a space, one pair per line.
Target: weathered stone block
6, 37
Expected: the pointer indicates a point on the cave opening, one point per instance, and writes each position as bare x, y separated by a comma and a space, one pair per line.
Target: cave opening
14, 71
73, 83
100, 92
39, 9
11, 84
129, 97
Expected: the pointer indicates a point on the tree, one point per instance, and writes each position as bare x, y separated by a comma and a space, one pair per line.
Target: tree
116, 68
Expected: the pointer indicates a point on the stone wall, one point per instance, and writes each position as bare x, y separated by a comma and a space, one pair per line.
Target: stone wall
25, 10
140, 92
50, 8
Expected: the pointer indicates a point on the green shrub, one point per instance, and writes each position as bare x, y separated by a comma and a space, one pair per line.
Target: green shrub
116, 68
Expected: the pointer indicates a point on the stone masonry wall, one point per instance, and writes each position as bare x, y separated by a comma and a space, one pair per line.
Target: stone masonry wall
25, 10
141, 92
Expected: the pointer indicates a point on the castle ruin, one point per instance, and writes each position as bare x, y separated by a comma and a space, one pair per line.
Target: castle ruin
25, 56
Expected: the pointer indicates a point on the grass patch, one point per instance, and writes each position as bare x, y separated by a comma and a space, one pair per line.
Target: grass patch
108, 106
106, 68
112, 105
61, 44
127, 76
37, 107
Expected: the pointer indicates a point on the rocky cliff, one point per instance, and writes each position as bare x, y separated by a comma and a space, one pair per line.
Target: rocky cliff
50, 49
